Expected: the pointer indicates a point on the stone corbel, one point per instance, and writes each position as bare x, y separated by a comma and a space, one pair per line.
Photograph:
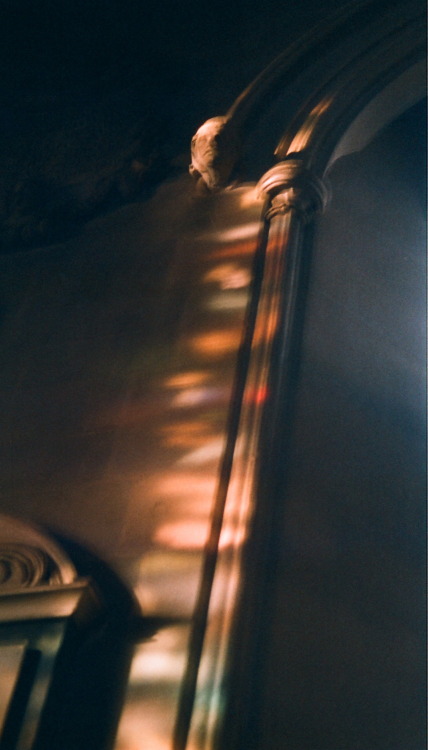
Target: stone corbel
215, 150
290, 186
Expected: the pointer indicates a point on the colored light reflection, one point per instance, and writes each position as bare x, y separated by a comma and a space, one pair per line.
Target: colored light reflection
227, 302
234, 234
185, 433
167, 582
303, 136
189, 484
173, 496
249, 198
256, 395
229, 276
187, 379
208, 452
157, 669
184, 535
239, 250
215, 344
162, 662
198, 396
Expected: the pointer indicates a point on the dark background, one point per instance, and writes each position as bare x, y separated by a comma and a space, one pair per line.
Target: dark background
99, 98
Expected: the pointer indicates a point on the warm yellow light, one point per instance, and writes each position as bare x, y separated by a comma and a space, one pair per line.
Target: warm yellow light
203, 455
187, 379
230, 302
302, 137
235, 234
236, 250
229, 276
157, 669
184, 484
249, 197
216, 344
183, 535
185, 434
198, 397
161, 662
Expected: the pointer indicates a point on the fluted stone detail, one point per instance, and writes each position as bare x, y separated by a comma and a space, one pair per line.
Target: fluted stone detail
22, 566
30, 558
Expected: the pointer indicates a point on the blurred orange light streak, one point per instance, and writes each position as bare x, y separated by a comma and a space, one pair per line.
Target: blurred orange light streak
302, 137
185, 484
229, 276
233, 251
233, 301
193, 535
234, 234
206, 453
186, 434
217, 343
183, 535
249, 197
187, 379
256, 395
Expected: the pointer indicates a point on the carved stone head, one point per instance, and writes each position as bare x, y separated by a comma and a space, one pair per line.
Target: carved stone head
214, 152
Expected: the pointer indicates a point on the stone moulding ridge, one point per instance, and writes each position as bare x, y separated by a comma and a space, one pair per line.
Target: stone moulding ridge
291, 186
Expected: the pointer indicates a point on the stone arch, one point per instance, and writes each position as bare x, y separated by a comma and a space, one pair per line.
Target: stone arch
324, 97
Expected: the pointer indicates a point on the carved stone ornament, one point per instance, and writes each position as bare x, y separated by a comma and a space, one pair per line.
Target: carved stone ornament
21, 565
29, 558
291, 186
214, 153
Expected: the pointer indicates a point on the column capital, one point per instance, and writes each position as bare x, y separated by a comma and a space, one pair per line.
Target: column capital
292, 187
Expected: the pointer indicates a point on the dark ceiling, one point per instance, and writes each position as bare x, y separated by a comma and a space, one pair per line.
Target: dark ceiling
100, 97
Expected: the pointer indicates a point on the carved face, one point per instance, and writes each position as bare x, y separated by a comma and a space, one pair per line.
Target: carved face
213, 152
